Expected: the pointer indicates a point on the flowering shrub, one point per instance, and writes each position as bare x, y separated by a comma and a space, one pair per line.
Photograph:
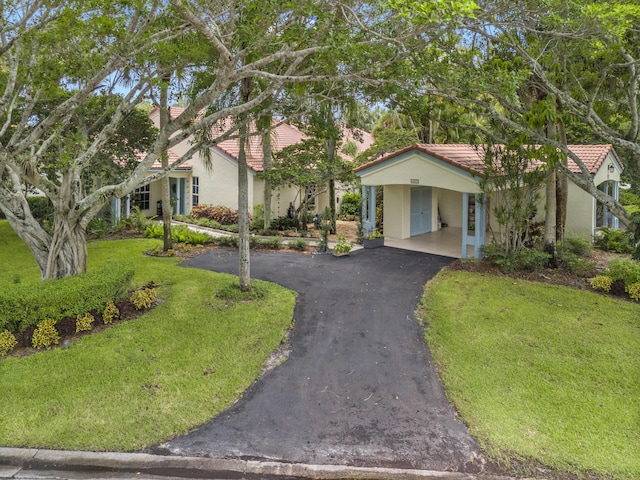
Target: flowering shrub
45, 334
7, 342
222, 215
84, 322
601, 282
110, 313
634, 291
143, 298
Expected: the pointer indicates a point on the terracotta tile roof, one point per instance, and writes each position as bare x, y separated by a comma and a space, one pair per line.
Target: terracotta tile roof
157, 165
468, 158
283, 135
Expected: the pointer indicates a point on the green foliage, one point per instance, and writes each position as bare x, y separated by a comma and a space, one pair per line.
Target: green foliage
201, 222
28, 304
7, 342
272, 242
514, 190
45, 334
231, 293
84, 322
179, 234
375, 234
41, 208
98, 227
298, 244
257, 223
626, 270
601, 282
351, 204
283, 223
629, 198
611, 240
634, 291
222, 215
529, 259
342, 246
143, 298
226, 241
570, 254
110, 313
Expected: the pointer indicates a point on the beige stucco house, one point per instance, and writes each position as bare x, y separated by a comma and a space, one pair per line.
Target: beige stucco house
194, 183
428, 186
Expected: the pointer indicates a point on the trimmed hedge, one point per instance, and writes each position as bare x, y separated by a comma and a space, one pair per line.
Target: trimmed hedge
24, 305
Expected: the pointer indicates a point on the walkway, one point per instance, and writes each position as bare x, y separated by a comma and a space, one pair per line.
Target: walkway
359, 387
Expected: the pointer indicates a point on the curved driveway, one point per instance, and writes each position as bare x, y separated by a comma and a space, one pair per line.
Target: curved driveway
359, 387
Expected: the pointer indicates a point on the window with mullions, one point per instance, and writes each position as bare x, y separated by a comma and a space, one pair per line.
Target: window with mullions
195, 191
142, 196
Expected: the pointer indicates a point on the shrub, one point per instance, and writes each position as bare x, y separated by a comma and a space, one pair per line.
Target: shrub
84, 322
342, 246
298, 244
258, 218
273, 242
143, 298
530, 259
222, 215
68, 297
634, 291
226, 241
45, 334
576, 245
626, 270
351, 204
7, 342
184, 235
601, 282
611, 240
110, 313
98, 227
283, 223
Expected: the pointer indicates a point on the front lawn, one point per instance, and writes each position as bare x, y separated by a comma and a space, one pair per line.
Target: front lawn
540, 373
147, 380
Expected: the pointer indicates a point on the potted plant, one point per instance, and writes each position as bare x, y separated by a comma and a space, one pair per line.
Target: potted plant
373, 240
342, 247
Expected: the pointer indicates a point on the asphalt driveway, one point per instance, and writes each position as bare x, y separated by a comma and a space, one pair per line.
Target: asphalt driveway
359, 387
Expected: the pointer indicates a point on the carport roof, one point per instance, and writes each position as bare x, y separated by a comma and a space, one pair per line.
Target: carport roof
470, 158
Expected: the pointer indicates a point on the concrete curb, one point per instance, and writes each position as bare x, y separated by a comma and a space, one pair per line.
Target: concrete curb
201, 467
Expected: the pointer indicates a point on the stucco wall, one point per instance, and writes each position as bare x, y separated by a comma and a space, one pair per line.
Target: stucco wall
450, 204
396, 211
580, 212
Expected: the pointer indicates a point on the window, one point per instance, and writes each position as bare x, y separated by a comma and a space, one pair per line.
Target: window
141, 197
195, 191
311, 195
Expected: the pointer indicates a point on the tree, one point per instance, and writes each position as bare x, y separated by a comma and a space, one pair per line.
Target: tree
582, 55
86, 48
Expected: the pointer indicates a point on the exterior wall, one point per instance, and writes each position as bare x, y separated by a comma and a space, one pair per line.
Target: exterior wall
450, 204
396, 211
580, 212
419, 170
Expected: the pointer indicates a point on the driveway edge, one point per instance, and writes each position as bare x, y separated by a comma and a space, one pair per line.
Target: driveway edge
201, 467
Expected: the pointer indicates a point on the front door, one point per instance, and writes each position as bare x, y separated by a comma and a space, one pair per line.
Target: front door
420, 211
178, 195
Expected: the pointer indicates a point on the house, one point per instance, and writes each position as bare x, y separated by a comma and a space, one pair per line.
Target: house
428, 185
194, 183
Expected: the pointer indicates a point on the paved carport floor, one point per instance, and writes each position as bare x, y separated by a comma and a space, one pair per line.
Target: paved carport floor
359, 387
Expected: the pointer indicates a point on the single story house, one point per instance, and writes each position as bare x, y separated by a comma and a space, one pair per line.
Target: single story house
427, 186
194, 183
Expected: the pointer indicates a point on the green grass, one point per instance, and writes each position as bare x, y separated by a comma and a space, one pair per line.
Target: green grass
540, 372
147, 380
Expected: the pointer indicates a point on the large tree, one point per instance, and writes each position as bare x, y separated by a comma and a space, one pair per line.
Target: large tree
579, 57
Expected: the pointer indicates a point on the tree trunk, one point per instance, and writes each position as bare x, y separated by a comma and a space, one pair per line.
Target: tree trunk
550, 216
562, 187
165, 182
331, 157
67, 253
243, 194
267, 163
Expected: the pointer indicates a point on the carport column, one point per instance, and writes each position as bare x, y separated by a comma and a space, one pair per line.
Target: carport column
115, 210
616, 195
479, 237
368, 209
481, 226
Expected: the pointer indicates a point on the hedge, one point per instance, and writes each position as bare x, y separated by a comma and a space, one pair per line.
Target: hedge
23, 305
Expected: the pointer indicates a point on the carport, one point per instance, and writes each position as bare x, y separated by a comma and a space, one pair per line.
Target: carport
432, 199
